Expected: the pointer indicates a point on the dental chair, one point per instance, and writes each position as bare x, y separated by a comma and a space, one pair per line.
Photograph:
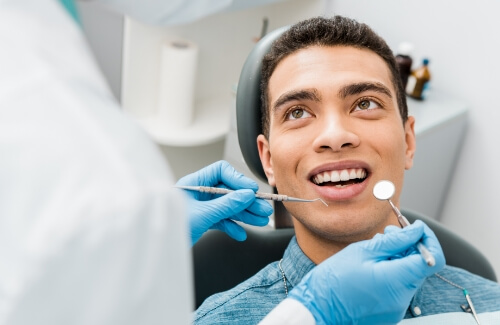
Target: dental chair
220, 263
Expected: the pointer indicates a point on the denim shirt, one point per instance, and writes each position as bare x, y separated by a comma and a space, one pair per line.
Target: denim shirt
253, 299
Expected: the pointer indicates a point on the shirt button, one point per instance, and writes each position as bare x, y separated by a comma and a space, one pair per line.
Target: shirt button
417, 311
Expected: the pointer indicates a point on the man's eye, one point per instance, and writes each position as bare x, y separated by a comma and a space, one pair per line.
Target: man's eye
366, 104
297, 113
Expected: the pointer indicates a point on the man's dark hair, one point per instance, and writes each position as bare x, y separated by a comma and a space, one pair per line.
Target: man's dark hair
321, 31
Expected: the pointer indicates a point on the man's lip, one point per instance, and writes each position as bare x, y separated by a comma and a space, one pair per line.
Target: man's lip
351, 164
332, 193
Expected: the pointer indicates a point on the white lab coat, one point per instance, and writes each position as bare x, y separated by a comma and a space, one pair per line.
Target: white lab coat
91, 231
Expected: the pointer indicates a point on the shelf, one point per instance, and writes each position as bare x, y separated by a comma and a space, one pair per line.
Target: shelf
210, 124
435, 110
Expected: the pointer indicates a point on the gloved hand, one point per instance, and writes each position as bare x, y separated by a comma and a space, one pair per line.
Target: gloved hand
372, 281
211, 211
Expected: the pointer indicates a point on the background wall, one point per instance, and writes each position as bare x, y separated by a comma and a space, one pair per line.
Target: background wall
461, 39
104, 29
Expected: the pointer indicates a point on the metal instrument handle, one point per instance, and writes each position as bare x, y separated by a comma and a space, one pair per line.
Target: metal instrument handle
269, 196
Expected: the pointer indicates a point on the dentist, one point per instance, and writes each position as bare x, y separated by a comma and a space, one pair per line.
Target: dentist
91, 230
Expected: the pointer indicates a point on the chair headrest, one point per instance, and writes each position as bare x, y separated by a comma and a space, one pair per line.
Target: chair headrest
248, 103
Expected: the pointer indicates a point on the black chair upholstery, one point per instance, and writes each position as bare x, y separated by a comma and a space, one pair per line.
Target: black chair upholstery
248, 114
220, 263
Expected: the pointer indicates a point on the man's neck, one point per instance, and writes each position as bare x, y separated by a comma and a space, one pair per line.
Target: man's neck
318, 248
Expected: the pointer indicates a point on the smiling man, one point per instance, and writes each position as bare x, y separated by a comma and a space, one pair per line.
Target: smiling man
335, 122
334, 131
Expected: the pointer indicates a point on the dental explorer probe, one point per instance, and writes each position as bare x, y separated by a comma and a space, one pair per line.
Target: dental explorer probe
384, 190
265, 196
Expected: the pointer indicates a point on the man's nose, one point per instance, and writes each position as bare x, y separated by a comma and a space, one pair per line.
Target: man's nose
336, 132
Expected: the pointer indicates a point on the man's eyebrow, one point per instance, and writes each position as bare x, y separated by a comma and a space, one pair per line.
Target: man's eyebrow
360, 87
303, 94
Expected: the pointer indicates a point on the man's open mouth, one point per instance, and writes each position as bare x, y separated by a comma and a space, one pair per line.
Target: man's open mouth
340, 178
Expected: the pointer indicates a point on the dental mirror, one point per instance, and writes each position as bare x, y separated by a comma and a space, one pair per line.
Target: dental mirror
384, 190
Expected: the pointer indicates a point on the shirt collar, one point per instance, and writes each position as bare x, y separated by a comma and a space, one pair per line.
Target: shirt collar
295, 263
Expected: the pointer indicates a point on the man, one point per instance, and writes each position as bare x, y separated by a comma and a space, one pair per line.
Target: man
335, 122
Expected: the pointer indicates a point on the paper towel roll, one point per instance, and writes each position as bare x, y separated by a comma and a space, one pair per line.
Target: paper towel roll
177, 83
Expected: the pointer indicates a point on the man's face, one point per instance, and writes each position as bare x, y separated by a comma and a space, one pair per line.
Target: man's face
336, 131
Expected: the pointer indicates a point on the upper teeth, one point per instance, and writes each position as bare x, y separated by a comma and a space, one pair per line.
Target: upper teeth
339, 175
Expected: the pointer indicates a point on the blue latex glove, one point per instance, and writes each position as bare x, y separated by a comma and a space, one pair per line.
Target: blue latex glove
210, 211
372, 281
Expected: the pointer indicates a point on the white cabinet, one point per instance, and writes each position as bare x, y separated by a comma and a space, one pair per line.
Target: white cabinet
440, 125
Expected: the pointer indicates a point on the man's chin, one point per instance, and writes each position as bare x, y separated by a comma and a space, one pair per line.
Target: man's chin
336, 232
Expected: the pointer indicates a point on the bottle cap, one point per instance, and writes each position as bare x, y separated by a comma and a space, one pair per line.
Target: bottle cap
425, 61
405, 48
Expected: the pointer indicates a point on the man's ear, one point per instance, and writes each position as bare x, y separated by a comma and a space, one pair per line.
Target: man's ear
411, 143
265, 158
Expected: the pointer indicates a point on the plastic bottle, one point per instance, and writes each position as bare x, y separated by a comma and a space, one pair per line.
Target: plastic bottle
418, 81
404, 61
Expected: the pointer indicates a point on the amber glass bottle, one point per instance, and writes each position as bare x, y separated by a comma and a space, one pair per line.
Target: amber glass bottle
418, 81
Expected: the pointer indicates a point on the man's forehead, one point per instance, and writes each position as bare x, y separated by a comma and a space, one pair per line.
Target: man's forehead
303, 67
